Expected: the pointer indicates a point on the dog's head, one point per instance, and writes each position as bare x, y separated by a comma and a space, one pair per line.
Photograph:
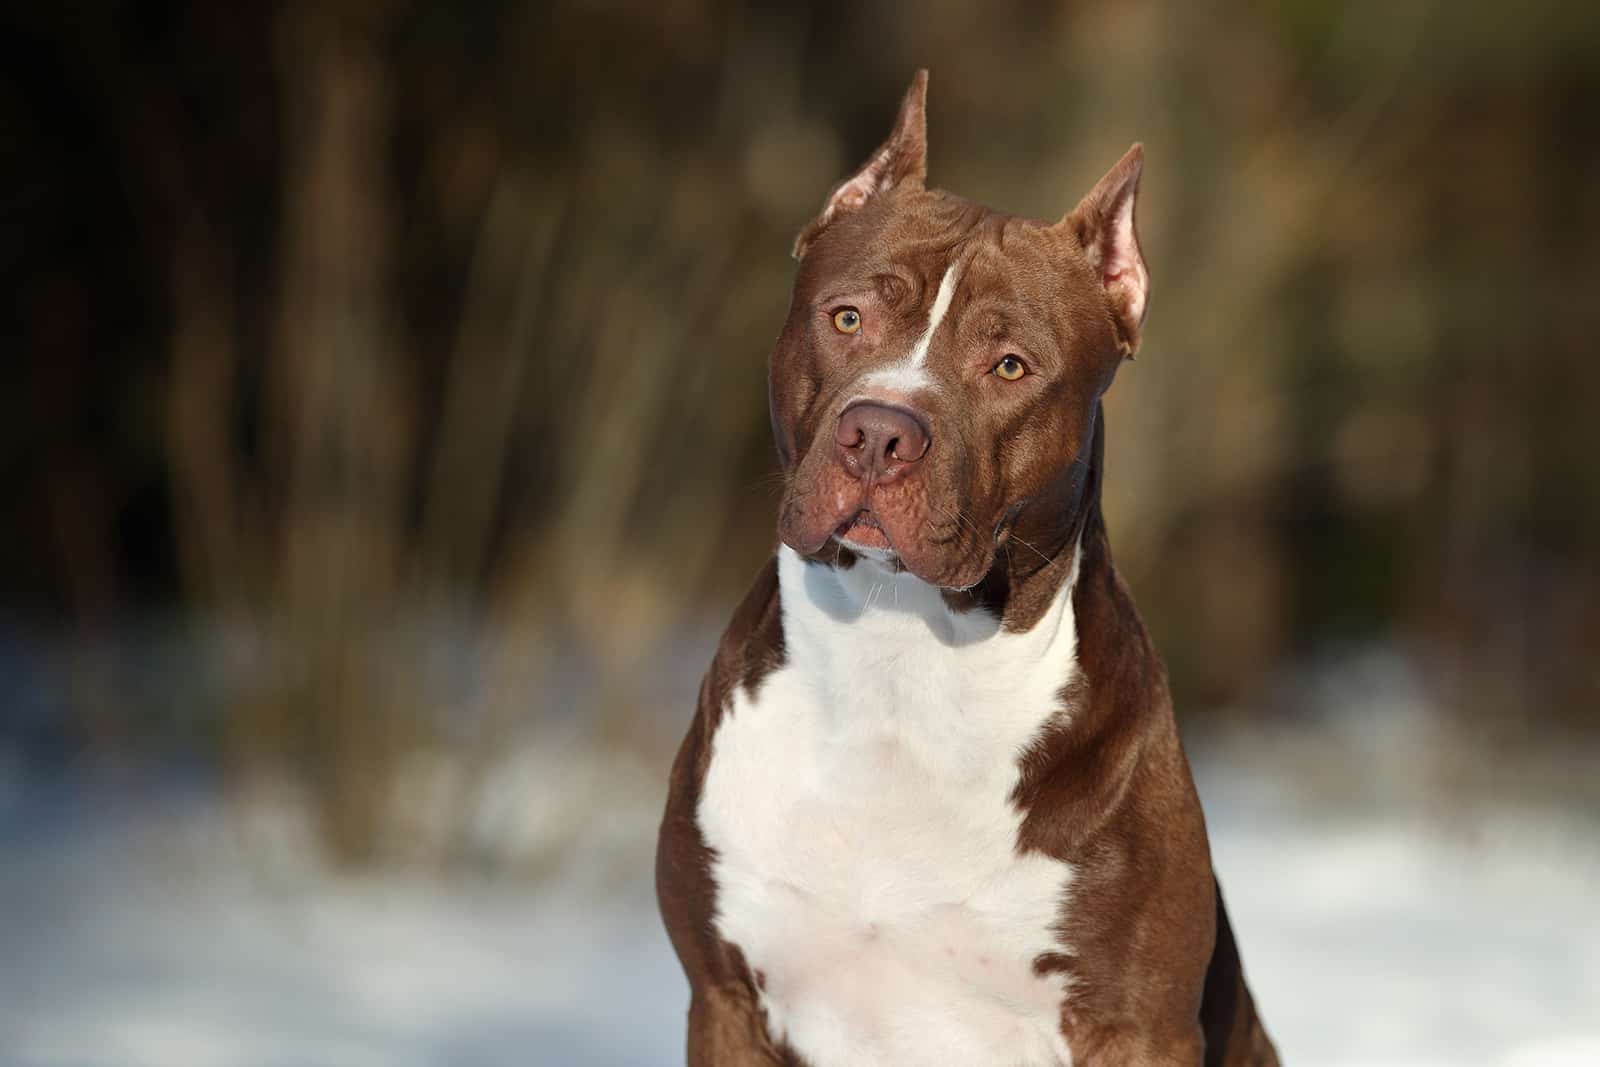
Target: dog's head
934, 389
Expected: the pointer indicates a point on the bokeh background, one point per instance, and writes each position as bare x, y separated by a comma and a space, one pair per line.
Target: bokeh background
383, 442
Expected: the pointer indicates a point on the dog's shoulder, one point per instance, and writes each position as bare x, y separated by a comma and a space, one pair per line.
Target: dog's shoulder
751, 647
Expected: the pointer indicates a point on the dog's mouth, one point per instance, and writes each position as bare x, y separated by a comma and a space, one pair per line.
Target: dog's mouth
898, 525
863, 531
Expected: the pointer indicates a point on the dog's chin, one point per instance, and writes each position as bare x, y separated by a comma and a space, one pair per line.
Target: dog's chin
936, 565
890, 540
866, 537
884, 556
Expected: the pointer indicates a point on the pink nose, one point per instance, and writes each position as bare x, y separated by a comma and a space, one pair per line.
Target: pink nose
880, 440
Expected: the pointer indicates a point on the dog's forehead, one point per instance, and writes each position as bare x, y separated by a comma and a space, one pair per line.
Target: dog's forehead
995, 258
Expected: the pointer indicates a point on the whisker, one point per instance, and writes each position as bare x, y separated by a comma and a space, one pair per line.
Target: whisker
960, 517
1048, 561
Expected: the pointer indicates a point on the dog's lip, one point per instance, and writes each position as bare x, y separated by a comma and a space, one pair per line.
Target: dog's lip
862, 530
861, 517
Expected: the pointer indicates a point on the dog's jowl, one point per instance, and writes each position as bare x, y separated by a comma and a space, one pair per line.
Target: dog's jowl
932, 808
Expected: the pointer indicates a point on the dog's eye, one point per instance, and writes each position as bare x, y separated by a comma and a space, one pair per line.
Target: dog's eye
847, 320
1010, 368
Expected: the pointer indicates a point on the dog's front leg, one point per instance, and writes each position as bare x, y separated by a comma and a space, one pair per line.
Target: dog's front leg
726, 1029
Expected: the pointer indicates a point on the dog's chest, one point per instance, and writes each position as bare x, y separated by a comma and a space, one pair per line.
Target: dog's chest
859, 805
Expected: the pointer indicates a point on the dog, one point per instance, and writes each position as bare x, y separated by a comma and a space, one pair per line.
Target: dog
932, 808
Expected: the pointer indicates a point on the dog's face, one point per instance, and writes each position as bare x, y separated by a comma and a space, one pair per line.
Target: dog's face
936, 382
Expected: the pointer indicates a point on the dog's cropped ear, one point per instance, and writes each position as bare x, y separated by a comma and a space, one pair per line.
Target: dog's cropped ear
901, 160
1103, 223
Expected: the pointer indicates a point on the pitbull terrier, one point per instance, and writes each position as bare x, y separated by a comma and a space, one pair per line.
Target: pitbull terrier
932, 808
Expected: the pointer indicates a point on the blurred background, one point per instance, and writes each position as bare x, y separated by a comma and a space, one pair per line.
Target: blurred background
384, 444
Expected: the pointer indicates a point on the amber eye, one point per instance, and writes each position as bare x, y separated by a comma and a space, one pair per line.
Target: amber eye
847, 320
1010, 368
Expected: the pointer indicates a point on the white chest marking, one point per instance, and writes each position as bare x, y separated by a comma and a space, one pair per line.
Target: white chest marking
859, 805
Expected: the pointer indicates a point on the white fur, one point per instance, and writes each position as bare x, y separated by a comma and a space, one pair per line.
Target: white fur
859, 805
941, 305
900, 379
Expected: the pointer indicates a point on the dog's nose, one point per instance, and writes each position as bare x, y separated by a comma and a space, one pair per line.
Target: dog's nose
881, 439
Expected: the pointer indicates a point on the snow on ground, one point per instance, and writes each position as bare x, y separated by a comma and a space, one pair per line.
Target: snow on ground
146, 936
1392, 939
143, 923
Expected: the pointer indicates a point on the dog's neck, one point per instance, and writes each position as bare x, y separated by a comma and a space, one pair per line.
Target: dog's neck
1056, 537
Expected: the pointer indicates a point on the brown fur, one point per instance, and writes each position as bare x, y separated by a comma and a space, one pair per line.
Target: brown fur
1010, 485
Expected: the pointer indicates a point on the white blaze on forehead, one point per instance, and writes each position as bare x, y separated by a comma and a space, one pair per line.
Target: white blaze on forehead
903, 378
909, 374
941, 304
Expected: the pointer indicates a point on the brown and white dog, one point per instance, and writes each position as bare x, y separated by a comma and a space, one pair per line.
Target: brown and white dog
932, 808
